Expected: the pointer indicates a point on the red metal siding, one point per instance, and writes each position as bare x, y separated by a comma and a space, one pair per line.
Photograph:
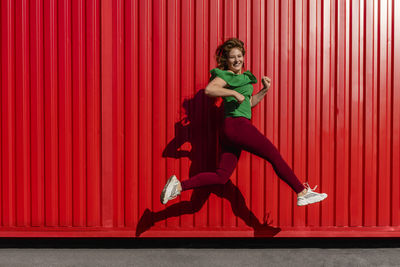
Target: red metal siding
101, 101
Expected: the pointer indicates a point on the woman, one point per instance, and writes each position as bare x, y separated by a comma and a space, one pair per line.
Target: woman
236, 89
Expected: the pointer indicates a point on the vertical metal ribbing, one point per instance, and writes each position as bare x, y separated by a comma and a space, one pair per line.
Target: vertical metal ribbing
22, 111
106, 114
92, 94
8, 112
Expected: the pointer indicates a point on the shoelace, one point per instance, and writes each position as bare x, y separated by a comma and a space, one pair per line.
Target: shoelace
308, 187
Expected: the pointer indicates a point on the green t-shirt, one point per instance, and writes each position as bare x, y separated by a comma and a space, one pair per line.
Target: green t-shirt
241, 83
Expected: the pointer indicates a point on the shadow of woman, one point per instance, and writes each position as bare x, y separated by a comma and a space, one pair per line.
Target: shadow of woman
203, 117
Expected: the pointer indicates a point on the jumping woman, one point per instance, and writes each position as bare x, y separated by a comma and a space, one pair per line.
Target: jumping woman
235, 87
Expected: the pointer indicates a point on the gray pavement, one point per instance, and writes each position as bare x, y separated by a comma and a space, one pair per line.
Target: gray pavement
200, 257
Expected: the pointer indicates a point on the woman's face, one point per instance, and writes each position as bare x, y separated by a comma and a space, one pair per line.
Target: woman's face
235, 60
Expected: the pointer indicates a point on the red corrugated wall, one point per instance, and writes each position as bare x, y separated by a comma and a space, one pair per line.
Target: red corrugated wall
101, 101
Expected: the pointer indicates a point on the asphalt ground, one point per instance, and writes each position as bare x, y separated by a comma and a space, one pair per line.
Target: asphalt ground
200, 252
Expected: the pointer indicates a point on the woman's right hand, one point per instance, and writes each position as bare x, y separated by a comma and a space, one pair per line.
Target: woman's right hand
239, 97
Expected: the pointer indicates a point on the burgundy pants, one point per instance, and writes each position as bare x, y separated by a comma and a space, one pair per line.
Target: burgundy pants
237, 134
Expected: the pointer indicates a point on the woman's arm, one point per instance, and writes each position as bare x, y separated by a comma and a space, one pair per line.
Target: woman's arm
255, 99
216, 88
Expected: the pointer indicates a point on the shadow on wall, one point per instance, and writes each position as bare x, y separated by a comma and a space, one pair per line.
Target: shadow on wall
200, 127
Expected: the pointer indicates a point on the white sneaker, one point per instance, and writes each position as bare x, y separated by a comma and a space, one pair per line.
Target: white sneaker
170, 190
310, 196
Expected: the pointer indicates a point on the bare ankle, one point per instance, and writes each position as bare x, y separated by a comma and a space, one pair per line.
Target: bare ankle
180, 188
302, 193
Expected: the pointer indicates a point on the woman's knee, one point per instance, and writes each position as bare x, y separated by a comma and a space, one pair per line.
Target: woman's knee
223, 177
223, 180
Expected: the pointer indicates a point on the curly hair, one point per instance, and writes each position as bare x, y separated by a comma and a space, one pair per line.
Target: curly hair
222, 52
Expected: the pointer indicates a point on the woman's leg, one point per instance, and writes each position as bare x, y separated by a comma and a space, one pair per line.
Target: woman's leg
241, 132
227, 163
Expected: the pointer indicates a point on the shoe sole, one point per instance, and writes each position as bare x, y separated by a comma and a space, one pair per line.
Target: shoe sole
311, 202
162, 198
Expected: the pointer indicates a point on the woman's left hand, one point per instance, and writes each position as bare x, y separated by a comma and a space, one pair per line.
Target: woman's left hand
266, 82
